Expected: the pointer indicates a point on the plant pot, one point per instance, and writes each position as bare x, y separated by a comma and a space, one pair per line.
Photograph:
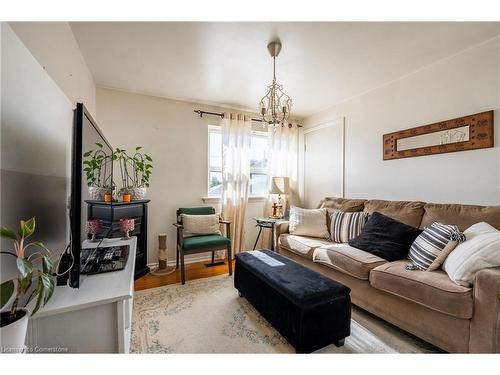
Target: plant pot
96, 193
138, 193
13, 331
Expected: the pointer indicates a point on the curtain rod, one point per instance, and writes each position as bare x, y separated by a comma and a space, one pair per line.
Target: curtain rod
221, 115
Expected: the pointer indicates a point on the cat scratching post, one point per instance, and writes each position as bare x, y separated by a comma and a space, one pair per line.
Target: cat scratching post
162, 269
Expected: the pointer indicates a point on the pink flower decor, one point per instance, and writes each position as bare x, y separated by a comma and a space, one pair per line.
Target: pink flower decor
94, 227
126, 226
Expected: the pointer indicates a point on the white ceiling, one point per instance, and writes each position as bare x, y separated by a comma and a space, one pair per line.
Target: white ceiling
227, 63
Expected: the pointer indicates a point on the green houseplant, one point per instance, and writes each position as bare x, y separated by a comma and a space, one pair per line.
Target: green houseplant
143, 165
35, 268
95, 166
135, 171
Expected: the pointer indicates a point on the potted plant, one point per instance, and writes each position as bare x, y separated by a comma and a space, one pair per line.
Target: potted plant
35, 266
143, 164
99, 179
121, 157
135, 172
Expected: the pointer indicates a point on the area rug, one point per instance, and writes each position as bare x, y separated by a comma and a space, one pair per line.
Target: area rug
207, 316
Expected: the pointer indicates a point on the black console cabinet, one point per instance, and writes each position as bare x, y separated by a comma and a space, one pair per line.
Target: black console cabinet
111, 212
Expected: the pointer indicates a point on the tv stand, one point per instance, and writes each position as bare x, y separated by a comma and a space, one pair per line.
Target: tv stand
96, 318
111, 212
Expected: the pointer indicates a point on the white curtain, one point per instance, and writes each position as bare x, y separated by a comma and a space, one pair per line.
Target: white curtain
283, 155
236, 133
283, 143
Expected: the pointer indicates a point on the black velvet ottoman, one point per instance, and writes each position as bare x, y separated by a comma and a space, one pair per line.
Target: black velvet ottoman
308, 309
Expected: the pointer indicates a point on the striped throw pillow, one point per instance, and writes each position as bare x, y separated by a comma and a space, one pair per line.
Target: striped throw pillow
433, 245
344, 226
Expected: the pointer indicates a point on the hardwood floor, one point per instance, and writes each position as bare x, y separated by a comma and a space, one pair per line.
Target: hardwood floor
193, 271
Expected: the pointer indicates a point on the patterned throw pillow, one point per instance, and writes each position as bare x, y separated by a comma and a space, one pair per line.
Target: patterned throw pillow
433, 245
344, 226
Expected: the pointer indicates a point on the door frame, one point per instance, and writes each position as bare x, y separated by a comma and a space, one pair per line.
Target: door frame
339, 121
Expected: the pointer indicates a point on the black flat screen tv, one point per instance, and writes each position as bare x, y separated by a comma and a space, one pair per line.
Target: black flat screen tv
87, 140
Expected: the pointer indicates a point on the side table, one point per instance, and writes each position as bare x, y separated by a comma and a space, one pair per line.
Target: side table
266, 223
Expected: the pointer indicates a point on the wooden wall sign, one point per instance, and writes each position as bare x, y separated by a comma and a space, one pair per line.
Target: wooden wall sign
459, 134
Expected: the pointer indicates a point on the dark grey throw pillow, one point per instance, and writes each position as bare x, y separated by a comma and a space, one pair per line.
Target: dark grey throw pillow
385, 237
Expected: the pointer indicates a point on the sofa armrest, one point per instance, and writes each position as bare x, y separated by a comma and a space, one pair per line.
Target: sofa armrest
485, 323
280, 228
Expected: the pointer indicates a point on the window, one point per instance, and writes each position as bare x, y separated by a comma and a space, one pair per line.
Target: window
258, 163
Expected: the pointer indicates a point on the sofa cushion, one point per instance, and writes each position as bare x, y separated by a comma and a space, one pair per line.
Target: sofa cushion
406, 212
385, 237
301, 245
461, 215
347, 259
433, 289
343, 204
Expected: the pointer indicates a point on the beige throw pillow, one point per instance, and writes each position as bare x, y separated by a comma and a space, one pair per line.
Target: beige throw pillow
480, 250
197, 225
308, 222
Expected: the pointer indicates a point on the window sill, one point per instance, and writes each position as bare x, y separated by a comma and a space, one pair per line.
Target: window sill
217, 200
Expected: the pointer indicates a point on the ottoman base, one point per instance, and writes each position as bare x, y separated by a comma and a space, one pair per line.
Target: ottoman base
308, 325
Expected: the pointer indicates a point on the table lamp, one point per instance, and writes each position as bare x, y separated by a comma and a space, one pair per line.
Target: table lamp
279, 185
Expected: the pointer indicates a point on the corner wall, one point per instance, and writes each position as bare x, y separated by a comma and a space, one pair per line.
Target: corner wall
177, 140
55, 48
462, 84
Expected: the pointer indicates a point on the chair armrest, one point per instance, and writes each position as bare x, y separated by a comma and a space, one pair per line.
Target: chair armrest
485, 323
180, 235
228, 227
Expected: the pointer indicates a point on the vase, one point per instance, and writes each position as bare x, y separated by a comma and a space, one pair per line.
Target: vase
126, 226
94, 227
13, 333
123, 191
138, 193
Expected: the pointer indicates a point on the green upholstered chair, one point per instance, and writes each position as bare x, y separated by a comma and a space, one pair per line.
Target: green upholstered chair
201, 244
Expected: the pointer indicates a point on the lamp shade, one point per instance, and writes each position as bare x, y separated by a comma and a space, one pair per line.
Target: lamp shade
280, 185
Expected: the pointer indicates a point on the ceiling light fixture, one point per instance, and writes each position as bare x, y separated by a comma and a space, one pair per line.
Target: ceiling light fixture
275, 106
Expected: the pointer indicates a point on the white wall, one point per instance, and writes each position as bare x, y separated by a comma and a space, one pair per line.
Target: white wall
56, 49
35, 132
177, 140
463, 84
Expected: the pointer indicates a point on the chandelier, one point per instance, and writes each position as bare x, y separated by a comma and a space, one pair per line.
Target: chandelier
275, 106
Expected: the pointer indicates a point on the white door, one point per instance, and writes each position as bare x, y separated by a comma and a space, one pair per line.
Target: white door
323, 162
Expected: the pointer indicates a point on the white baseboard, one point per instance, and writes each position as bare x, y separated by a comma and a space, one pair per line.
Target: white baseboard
188, 259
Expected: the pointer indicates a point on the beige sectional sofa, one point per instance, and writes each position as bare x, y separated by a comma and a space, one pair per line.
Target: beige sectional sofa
427, 304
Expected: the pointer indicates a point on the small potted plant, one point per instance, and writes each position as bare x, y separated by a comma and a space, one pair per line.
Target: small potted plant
135, 172
143, 164
35, 267
121, 157
99, 179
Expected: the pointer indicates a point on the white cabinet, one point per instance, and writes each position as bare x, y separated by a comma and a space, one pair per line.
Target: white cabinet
95, 318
